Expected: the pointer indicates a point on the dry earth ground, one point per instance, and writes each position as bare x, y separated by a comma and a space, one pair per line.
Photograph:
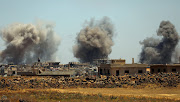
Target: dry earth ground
158, 93
172, 93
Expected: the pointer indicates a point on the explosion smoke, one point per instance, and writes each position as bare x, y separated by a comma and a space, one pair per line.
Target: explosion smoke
94, 41
26, 42
157, 51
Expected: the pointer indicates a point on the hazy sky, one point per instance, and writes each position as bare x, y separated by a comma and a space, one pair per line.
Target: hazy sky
134, 20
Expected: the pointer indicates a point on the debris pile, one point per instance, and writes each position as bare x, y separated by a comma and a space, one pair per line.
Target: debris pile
138, 81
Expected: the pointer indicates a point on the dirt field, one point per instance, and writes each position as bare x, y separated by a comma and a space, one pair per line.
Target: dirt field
145, 93
154, 93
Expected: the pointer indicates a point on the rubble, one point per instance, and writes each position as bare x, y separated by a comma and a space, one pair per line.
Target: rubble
21, 82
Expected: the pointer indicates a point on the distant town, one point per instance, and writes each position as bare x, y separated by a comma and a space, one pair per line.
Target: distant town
108, 67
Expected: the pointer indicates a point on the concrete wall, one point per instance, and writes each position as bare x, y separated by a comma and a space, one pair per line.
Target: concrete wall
117, 69
173, 69
157, 69
118, 61
128, 70
164, 68
104, 69
25, 73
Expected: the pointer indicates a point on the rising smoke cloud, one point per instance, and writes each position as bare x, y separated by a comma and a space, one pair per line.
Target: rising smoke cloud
94, 41
155, 51
24, 43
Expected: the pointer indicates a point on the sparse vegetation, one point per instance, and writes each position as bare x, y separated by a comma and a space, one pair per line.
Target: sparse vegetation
54, 96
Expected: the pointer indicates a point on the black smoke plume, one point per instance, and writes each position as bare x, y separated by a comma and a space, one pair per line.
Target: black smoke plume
25, 43
157, 51
94, 41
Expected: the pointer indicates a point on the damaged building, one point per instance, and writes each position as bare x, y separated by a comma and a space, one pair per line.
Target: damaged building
119, 67
165, 68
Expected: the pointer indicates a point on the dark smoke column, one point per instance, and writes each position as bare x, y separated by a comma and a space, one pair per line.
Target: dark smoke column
157, 51
26, 42
94, 41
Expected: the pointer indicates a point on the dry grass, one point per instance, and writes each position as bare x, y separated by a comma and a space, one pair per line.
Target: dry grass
154, 93
94, 94
171, 93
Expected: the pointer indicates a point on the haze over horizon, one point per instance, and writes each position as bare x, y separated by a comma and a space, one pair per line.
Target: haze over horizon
133, 21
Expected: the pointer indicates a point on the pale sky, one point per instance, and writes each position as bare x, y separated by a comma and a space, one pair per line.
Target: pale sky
134, 20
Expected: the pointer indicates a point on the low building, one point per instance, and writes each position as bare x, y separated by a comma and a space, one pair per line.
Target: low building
166, 68
37, 64
3, 71
54, 64
48, 65
98, 62
25, 73
74, 65
12, 70
58, 73
119, 67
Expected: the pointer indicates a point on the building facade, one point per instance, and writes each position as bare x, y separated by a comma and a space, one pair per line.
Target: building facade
166, 68
119, 67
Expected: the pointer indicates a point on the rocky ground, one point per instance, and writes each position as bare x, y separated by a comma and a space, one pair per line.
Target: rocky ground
137, 81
